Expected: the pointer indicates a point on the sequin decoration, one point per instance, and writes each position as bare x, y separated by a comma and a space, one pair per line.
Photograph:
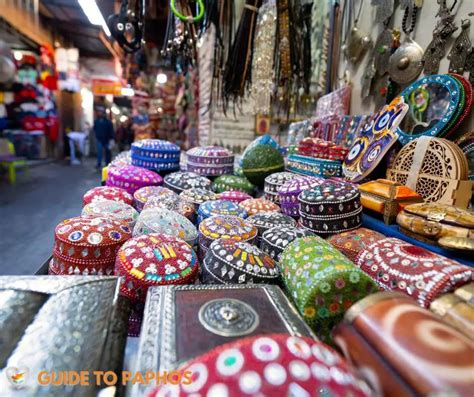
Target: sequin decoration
220, 207
235, 196
255, 205
155, 154
288, 193
233, 183
107, 193
266, 220
275, 240
351, 243
141, 196
198, 196
115, 209
179, 181
210, 160
132, 178
173, 203
273, 182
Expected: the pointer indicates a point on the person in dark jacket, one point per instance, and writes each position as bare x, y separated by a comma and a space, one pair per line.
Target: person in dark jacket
104, 132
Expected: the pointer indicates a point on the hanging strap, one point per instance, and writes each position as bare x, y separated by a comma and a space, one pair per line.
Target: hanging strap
188, 18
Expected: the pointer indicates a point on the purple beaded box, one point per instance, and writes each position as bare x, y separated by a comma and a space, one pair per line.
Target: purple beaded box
132, 178
273, 182
210, 160
141, 196
289, 191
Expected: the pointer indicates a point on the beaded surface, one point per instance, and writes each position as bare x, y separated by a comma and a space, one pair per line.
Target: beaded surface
220, 207
141, 196
273, 182
275, 240
179, 181
235, 196
107, 193
210, 160
114, 209
256, 205
132, 178
198, 195
232, 183
266, 220
353, 242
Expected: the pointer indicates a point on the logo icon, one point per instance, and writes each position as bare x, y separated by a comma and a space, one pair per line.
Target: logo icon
17, 376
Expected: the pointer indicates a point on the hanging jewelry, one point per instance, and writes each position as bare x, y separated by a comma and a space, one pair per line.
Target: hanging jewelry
445, 27
405, 64
469, 66
358, 41
461, 49
382, 51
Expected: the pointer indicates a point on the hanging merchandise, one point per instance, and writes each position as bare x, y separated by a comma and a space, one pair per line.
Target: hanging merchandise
319, 45
444, 28
127, 27
357, 42
405, 64
7, 64
461, 49
382, 50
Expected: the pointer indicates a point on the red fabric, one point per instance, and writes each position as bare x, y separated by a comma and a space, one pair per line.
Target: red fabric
52, 128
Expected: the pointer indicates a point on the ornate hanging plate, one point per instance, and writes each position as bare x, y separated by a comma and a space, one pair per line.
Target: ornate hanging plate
405, 64
433, 102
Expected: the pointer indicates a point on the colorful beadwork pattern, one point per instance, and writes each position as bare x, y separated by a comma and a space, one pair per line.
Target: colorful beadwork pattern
115, 209
310, 166
220, 207
173, 203
198, 196
210, 160
155, 154
322, 282
288, 193
275, 240
141, 196
351, 243
255, 205
233, 183
266, 220
107, 193
261, 161
179, 181
273, 182
396, 265
235, 196
132, 178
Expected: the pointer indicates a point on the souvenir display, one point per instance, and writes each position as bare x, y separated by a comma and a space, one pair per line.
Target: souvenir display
83, 314
107, 193
198, 195
455, 312
269, 365
322, 282
407, 349
262, 140
266, 220
233, 183
438, 223
141, 196
177, 204
321, 149
436, 169
351, 243
234, 195
156, 155
237, 262
154, 259
225, 227
164, 221
132, 178
288, 193
220, 207
374, 141
275, 240
348, 130
273, 182
261, 161
114, 209
87, 245
310, 166
179, 181
387, 198
391, 264
210, 160
255, 205
330, 208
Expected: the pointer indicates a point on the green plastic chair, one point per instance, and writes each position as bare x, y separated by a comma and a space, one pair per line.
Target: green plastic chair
10, 161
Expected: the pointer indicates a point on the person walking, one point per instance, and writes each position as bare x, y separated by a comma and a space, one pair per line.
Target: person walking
104, 132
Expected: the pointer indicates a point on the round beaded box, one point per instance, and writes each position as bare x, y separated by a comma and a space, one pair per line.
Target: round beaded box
275, 240
179, 181
220, 207
235, 196
132, 178
397, 265
210, 160
322, 282
330, 208
261, 161
236, 262
233, 182
161, 220
198, 196
352, 242
173, 203
87, 245
266, 220
151, 260
141, 196
255, 205
273, 182
288, 193
107, 193
274, 365
155, 154
115, 209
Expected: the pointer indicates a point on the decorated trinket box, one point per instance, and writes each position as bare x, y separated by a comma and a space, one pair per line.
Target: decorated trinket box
435, 168
442, 224
141, 196
455, 312
197, 196
237, 262
233, 183
155, 154
154, 259
107, 193
269, 365
273, 182
132, 178
179, 181
396, 265
199, 318
176, 203
235, 196
288, 193
407, 350
387, 198
260, 161
255, 205
220, 207
87, 245
275, 240
322, 282
164, 221
50, 325
266, 220
330, 208
351, 243
305, 165
210, 160
115, 209
321, 149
